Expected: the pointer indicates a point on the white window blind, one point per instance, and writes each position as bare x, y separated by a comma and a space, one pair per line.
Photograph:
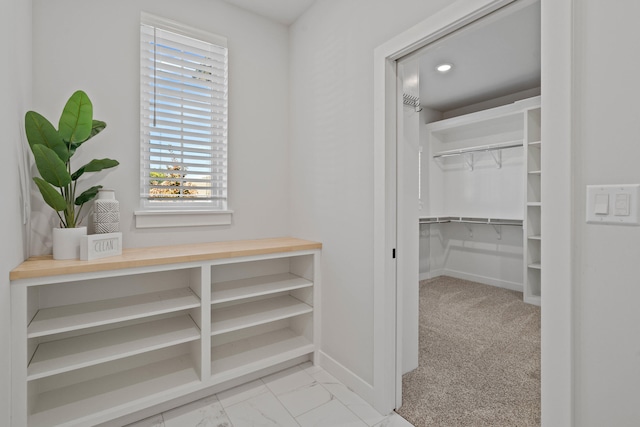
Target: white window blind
183, 117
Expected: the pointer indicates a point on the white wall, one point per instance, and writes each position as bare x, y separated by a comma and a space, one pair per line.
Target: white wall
606, 151
93, 45
15, 86
475, 252
484, 192
331, 119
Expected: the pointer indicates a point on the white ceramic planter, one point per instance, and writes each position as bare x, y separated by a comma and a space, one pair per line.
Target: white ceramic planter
66, 242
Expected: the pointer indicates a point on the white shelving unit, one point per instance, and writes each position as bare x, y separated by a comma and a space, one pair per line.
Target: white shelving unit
533, 207
96, 340
465, 151
489, 130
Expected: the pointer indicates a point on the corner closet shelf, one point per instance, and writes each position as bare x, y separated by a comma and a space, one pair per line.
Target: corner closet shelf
467, 220
505, 116
86, 351
535, 265
538, 237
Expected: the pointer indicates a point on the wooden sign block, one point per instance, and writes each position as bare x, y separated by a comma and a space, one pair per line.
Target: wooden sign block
97, 246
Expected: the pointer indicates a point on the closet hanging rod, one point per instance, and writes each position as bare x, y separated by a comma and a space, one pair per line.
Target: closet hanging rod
469, 220
492, 147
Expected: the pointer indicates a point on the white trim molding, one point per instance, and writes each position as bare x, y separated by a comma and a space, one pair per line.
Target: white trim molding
181, 218
557, 224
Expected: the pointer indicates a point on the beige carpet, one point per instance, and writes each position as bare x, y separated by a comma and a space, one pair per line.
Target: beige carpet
479, 362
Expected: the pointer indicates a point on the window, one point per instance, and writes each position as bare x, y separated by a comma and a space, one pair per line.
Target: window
183, 129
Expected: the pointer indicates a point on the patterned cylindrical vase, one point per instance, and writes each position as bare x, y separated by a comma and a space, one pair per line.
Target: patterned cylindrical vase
106, 213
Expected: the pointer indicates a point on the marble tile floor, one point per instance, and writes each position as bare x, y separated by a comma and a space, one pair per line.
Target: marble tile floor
301, 396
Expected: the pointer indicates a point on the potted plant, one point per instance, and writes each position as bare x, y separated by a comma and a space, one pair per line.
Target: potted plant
58, 182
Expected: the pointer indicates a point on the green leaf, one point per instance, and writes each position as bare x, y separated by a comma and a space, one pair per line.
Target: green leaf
51, 168
76, 120
40, 131
87, 195
95, 165
97, 127
50, 195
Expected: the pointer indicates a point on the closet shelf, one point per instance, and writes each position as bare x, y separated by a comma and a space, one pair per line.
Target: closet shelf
256, 286
535, 265
251, 354
479, 148
534, 172
77, 404
535, 143
468, 220
86, 350
502, 117
72, 317
535, 237
255, 313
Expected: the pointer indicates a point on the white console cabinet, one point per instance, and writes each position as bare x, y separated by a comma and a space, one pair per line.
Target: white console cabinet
97, 340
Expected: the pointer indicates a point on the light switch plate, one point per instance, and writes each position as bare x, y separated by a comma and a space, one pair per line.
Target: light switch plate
602, 204
622, 204
622, 207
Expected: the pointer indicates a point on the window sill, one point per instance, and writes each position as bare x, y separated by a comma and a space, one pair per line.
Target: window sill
181, 218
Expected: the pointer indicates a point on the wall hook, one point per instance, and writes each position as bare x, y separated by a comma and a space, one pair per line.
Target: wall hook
498, 229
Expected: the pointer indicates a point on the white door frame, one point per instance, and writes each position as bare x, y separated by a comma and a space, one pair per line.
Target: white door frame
557, 306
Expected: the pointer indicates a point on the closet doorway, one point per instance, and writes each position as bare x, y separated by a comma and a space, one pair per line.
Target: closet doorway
469, 169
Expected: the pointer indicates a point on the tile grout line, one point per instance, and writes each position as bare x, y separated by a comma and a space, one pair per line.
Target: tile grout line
224, 410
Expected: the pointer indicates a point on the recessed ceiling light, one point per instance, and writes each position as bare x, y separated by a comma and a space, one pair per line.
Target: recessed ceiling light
443, 68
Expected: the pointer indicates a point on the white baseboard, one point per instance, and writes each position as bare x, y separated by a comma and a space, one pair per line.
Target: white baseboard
514, 286
347, 377
431, 274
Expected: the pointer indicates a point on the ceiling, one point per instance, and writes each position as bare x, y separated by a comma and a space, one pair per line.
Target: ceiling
494, 57
282, 11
